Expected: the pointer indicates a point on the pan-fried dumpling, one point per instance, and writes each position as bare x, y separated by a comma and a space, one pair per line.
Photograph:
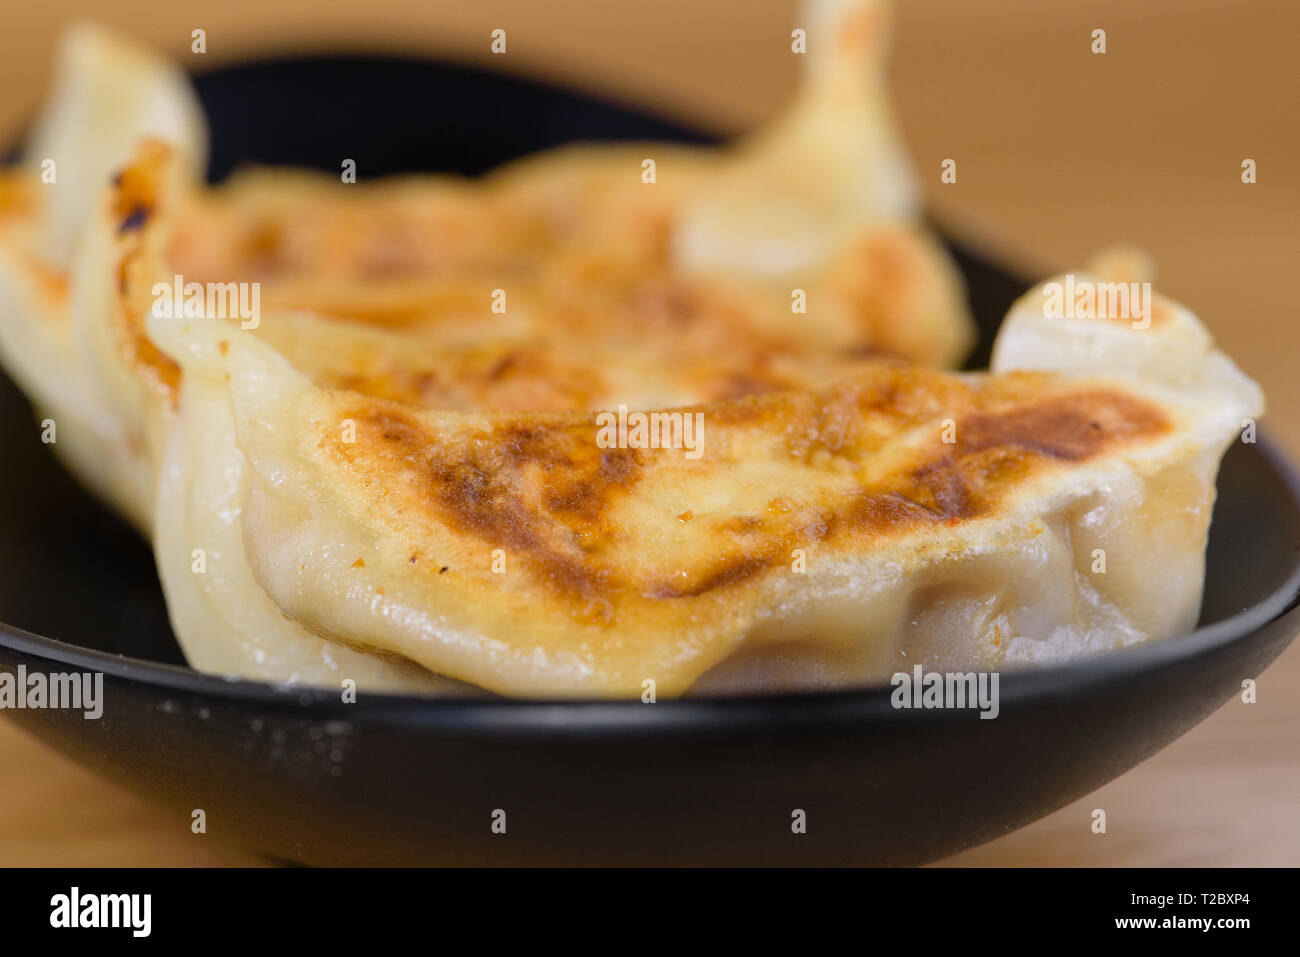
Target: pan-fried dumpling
108, 93
583, 247
820, 539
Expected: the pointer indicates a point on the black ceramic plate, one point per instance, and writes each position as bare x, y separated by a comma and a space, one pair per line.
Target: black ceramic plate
304, 777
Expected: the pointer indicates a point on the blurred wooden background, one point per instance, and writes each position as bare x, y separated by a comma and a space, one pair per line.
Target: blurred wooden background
1059, 151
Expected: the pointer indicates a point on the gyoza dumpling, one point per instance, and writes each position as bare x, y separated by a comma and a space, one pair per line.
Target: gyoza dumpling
108, 94
589, 256
818, 539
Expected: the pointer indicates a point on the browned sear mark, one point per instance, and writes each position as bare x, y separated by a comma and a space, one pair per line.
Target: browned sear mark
541, 488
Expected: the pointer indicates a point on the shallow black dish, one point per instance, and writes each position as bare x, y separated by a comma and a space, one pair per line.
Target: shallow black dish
304, 777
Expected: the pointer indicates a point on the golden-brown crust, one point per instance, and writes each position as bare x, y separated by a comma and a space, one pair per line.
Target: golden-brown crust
134, 204
863, 461
588, 322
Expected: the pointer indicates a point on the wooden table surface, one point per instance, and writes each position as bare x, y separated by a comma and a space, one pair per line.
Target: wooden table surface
1059, 152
